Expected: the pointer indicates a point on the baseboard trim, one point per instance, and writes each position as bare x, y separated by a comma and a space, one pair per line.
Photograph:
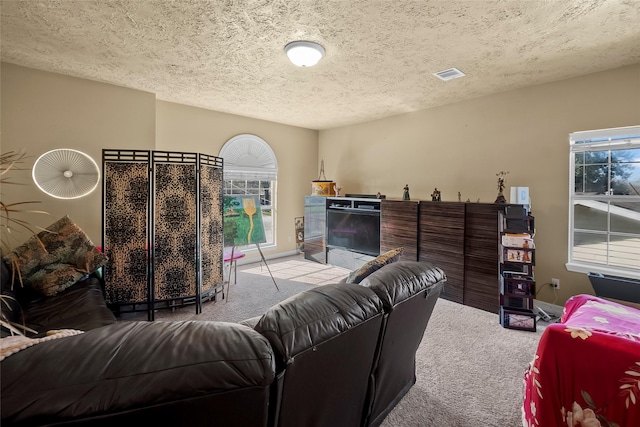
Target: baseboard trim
255, 257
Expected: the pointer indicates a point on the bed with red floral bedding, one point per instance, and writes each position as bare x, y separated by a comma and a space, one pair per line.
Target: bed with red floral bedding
586, 370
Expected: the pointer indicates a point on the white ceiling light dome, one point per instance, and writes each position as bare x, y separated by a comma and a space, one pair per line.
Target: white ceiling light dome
304, 53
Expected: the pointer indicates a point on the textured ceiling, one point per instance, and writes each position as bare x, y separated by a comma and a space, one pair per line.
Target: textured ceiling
228, 55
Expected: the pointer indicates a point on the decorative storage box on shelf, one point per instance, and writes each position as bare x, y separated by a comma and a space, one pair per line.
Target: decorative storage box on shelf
517, 255
516, 220
518, 240
515, 267
517, 291
515, 284
516, 318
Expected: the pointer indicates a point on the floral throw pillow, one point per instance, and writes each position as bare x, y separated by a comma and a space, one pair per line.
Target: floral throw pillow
57, 258
375, 264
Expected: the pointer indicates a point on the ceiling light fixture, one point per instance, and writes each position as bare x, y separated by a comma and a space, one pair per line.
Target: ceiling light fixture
304, 53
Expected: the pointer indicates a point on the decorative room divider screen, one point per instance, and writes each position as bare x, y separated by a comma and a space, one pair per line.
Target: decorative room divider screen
162, 229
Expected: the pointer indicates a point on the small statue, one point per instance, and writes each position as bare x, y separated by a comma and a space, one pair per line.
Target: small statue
435, 196
405, 196
337, 189
378, 195
459, 197
501, 198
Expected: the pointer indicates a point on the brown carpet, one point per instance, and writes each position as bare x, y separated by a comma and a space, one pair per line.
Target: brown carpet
469, 369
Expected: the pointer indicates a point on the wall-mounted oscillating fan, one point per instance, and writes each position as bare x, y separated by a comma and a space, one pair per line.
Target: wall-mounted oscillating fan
66, 173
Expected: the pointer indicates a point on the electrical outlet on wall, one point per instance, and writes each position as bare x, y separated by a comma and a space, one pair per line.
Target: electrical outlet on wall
555, 283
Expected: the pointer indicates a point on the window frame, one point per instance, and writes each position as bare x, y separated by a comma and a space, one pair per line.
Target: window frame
606, 140
249, 158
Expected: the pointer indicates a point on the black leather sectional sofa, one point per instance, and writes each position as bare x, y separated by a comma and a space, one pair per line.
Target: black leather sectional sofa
335, 355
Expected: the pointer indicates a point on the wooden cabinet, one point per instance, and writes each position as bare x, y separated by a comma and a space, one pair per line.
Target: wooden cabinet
481, 256
441, 242
399, 227
462, 239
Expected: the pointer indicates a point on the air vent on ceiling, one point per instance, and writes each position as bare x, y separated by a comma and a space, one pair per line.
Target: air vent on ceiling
450, 74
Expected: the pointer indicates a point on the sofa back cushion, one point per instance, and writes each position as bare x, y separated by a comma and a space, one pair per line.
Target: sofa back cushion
151, 373
409, 291
396, 282
324, 340
315, 316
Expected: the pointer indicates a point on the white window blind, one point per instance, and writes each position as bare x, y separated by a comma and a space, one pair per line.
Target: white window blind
248, 158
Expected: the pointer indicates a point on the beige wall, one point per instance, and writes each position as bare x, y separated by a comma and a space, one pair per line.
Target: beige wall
458, 147
461, 147
181, 127
42, 111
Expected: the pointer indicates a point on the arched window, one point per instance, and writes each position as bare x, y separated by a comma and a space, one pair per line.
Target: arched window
250, 167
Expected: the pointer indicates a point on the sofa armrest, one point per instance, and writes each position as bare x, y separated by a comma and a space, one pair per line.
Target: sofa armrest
131, 365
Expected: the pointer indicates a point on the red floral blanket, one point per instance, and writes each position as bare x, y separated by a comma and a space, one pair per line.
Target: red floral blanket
586, 371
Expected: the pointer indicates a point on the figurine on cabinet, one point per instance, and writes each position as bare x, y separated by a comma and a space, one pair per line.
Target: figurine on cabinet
435, 196
501, 198
405, 195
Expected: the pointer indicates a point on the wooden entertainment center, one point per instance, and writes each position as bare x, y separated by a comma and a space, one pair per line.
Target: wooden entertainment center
342, 231
461, 238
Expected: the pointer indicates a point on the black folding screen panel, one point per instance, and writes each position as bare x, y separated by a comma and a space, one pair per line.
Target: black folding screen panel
162, 229
211, 222
126, 226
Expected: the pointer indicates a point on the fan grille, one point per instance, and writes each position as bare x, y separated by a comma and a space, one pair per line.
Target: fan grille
66, 173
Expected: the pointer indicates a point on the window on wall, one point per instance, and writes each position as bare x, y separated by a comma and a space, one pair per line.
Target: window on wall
604, 208
251, 168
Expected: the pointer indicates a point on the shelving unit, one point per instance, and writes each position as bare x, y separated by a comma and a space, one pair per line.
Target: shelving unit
353, 230
516, 252
461, 238
315, 224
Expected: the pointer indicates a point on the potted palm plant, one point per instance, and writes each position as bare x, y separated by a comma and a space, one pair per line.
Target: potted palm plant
11, 220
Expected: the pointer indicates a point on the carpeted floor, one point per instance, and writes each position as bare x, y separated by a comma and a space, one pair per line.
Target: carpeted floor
469, 369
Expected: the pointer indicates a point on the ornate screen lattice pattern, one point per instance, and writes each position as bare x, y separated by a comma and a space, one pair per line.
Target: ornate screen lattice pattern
162, 228
174, 246
211, 221
126, 232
